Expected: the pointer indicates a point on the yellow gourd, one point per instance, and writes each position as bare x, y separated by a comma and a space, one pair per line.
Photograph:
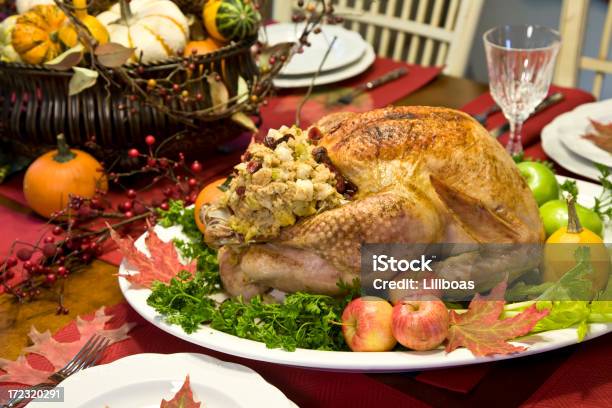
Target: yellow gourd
562, 244
68, 34
35, 36
44, 32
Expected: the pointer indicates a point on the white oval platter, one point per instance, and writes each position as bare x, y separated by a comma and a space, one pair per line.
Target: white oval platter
395, 361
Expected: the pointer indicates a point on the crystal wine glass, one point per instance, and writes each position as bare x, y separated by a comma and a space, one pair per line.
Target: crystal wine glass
521, 60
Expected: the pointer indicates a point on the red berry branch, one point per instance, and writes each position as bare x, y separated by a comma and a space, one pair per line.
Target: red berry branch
78, 233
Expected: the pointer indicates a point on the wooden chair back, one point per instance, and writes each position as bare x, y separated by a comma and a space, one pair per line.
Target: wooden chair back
574, 20
425, 32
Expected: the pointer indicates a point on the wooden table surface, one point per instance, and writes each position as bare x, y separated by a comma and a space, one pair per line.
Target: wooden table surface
97, 286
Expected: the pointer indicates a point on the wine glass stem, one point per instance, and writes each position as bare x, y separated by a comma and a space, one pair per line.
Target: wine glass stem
515, 144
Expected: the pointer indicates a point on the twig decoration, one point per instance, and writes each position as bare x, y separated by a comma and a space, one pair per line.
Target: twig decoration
298, 111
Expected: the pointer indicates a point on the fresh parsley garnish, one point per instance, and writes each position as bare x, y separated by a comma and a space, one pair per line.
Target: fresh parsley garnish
185, 301
570, 187
177, 214
603, 203
302, 320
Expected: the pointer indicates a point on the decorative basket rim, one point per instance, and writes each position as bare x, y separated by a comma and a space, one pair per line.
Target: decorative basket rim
225, 51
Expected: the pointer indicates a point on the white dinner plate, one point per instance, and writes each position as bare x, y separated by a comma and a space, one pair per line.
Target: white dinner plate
348, 48
143, 380
394, 361
332, 76
554, 147
576, 124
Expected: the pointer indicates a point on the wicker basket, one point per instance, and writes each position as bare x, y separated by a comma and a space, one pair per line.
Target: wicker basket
35, 106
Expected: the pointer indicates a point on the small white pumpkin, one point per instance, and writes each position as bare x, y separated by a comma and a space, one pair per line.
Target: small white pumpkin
7, 52
156, 28
25, 5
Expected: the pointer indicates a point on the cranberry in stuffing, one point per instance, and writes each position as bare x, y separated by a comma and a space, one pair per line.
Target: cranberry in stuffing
314, 134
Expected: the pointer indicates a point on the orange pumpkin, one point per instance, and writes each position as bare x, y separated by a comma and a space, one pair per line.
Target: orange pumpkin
209, 194
36, 36
202, 47
54, 176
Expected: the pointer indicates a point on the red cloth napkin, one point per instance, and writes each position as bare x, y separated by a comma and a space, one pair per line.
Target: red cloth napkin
281, 109
534, 125
307, 388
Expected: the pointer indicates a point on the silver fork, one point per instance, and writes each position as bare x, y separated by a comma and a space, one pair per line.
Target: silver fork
88, 355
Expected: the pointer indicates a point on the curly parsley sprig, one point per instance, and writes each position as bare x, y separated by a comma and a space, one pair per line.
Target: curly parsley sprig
185, 300
302, 320
177, 214
603, 203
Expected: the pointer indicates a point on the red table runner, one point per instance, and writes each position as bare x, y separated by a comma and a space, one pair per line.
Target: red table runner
582, 381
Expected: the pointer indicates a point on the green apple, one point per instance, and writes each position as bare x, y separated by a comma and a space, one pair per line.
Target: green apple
541, 180
554, 216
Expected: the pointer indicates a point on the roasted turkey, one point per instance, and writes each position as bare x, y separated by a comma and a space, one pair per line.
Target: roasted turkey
423, 175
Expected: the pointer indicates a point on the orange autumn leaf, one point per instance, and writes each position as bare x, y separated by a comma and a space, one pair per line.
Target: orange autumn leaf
602, 136
162, 265
182, 399
605, 129
481, 330
20, 372
59, 353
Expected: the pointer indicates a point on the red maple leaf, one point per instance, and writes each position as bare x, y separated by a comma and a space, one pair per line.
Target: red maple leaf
162, 265
604, 129
182, 399
602, 136
59, 353
481, 330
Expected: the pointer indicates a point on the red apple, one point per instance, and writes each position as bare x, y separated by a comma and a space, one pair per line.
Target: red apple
420, 324
366, 324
